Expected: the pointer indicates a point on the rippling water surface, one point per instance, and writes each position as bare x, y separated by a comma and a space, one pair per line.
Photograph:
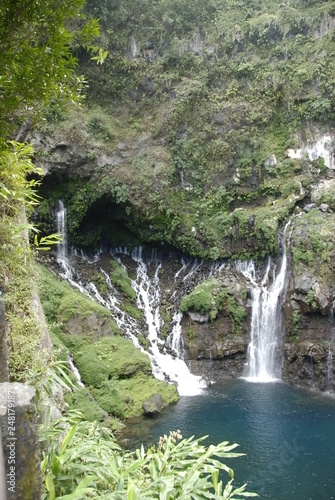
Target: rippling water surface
288, 435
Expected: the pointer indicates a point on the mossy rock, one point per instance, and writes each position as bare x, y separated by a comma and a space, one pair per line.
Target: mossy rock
141, 388
78, 314
82, 401
110, 357
212, 298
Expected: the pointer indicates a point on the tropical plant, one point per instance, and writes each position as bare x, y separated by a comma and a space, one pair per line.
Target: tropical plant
35, 51
83, 460
49, 379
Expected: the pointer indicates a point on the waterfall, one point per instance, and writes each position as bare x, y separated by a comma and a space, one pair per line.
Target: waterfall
75, 371
175, 340
266, 327
62, 258
164, 365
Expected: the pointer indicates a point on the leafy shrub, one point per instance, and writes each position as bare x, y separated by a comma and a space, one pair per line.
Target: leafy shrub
73, 449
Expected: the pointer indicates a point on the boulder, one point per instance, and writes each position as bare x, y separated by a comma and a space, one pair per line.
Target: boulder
199, 318
324, 207
154, 405
309, 207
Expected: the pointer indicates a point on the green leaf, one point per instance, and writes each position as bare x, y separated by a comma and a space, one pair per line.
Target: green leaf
81, 490
68, 437
166, 488
131, 491
44, 464
49, 483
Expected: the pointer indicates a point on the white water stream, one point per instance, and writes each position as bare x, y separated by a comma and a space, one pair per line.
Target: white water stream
266, 327
266, 333
164, 365
75, 371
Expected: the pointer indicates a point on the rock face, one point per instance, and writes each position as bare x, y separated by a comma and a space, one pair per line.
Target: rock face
20, 442
307, 365
309, 305
212, 350
215, 342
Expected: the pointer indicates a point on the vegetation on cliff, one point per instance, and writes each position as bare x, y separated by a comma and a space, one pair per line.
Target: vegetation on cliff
188, 126
118, 376
213, 297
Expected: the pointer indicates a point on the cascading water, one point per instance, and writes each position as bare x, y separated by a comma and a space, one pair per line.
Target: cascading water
62, 257
75, 371
175, 340
164, 365
266, 331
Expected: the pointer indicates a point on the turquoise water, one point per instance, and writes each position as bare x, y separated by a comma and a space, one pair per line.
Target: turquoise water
288, 435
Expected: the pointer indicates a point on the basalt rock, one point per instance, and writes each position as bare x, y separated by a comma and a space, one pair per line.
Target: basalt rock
20, 442
154, 405
217, 349
306, 365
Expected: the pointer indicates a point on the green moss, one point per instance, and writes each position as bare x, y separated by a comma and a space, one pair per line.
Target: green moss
119, 376
64, 305
121, 280
312, 244
212, 297
82, 401
110, 398
100, 282
133, 311
201, 299
76, 304
296, 318
110, 357
141, 388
